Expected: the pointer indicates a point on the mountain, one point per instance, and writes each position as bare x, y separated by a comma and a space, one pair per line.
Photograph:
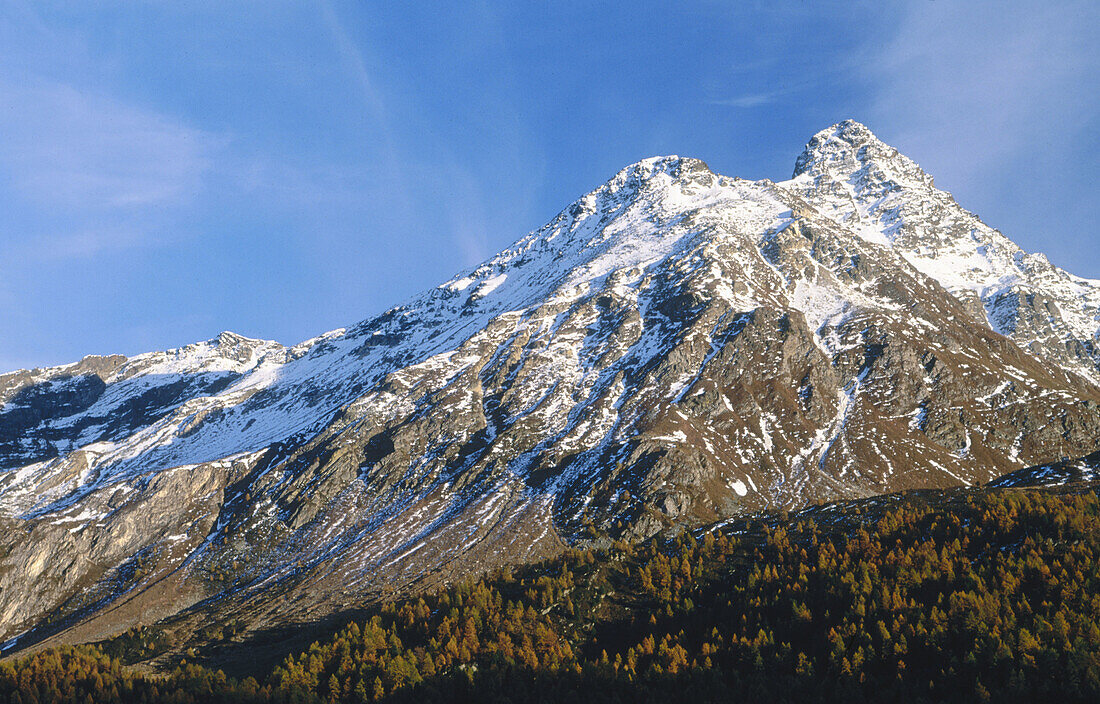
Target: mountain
675, 348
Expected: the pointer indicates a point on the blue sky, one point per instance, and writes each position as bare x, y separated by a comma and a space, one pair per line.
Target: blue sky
284, 168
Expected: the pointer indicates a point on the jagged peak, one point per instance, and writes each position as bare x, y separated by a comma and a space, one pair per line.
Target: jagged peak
650, 175
671, 164
653, 174
843, 138
644, 172
229, 338
848, 147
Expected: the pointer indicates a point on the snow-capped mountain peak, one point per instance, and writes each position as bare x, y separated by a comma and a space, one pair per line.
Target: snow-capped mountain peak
849, 152
863, 184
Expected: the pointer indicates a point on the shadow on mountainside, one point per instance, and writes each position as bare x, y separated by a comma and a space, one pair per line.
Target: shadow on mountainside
41, 420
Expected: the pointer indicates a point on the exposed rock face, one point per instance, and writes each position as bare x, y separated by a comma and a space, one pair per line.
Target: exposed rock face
676, 347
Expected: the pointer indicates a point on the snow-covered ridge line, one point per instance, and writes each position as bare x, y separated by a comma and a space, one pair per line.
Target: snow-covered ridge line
625, 226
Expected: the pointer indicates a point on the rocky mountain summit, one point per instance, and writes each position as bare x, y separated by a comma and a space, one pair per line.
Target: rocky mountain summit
675, 348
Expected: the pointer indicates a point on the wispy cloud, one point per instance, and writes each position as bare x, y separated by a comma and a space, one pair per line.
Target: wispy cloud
104, 171
63, 244
467, 215
75, 149
403, 172
768, 81
1003, 79
101, 170
354, 63
84, 169
751, 100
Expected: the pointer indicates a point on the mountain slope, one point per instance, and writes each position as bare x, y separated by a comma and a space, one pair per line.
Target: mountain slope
675, 347
855, 179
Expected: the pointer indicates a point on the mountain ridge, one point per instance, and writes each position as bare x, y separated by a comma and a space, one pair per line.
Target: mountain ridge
674, 348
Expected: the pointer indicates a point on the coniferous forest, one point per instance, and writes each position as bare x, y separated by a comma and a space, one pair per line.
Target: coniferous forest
965, 596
